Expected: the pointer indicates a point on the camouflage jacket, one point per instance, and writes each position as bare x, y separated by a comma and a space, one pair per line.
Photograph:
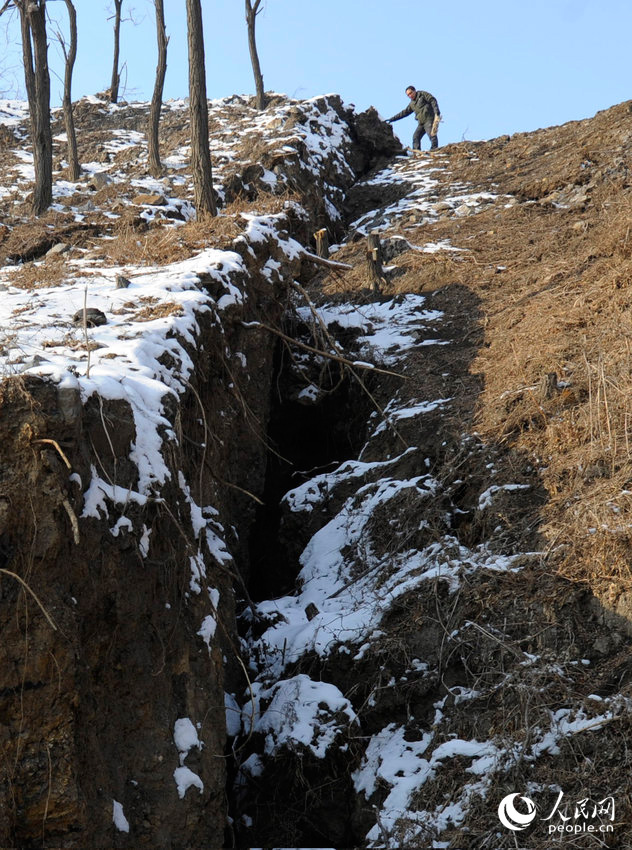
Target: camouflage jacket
424, 105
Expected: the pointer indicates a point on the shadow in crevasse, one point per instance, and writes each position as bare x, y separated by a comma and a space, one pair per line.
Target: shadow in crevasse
305, 439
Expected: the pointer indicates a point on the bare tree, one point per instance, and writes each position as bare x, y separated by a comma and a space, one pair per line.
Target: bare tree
155, 166
37, 81
33, 15
198, 112
70, 54
252, 10
116, 78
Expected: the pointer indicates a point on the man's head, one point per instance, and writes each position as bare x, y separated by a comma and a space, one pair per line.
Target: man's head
411, 91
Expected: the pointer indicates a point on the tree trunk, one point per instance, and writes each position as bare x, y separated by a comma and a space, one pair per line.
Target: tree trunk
73, 159
198, 111
322, 243
374, 262
155, 166
251, 15
114, 85
37, 80
549, 386
27, 55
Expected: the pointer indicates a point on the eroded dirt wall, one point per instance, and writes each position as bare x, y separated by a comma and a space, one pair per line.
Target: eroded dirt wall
113, 629
92, 689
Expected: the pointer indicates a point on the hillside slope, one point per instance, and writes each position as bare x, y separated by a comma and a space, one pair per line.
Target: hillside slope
388, 531
472, 592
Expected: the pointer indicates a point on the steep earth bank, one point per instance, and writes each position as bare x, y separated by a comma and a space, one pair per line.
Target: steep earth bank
133, 454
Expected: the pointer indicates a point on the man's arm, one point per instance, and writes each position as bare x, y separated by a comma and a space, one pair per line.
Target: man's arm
402, 114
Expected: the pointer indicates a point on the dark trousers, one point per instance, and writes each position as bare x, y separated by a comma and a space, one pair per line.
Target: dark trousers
421, 131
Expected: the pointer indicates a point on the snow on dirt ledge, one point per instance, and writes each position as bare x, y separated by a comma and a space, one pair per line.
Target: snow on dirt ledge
298, 145
426, 199
138, 344
348, 585
158, 314
349, 581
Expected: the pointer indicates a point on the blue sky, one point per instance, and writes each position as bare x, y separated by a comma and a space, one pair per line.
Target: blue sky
495, 67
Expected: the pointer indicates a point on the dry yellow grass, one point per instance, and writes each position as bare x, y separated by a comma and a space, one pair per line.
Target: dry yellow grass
163, 242
553, 287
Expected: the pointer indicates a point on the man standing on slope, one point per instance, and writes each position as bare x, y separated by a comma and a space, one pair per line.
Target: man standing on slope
426, 110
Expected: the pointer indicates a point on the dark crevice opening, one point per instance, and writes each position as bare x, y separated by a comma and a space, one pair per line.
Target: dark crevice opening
304, 439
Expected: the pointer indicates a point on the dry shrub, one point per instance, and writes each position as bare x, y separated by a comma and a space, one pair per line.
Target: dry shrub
28, 237
265, 204
163, 242
131, 247
217, 232
158, 311
51, 272
429, 270
413, 271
